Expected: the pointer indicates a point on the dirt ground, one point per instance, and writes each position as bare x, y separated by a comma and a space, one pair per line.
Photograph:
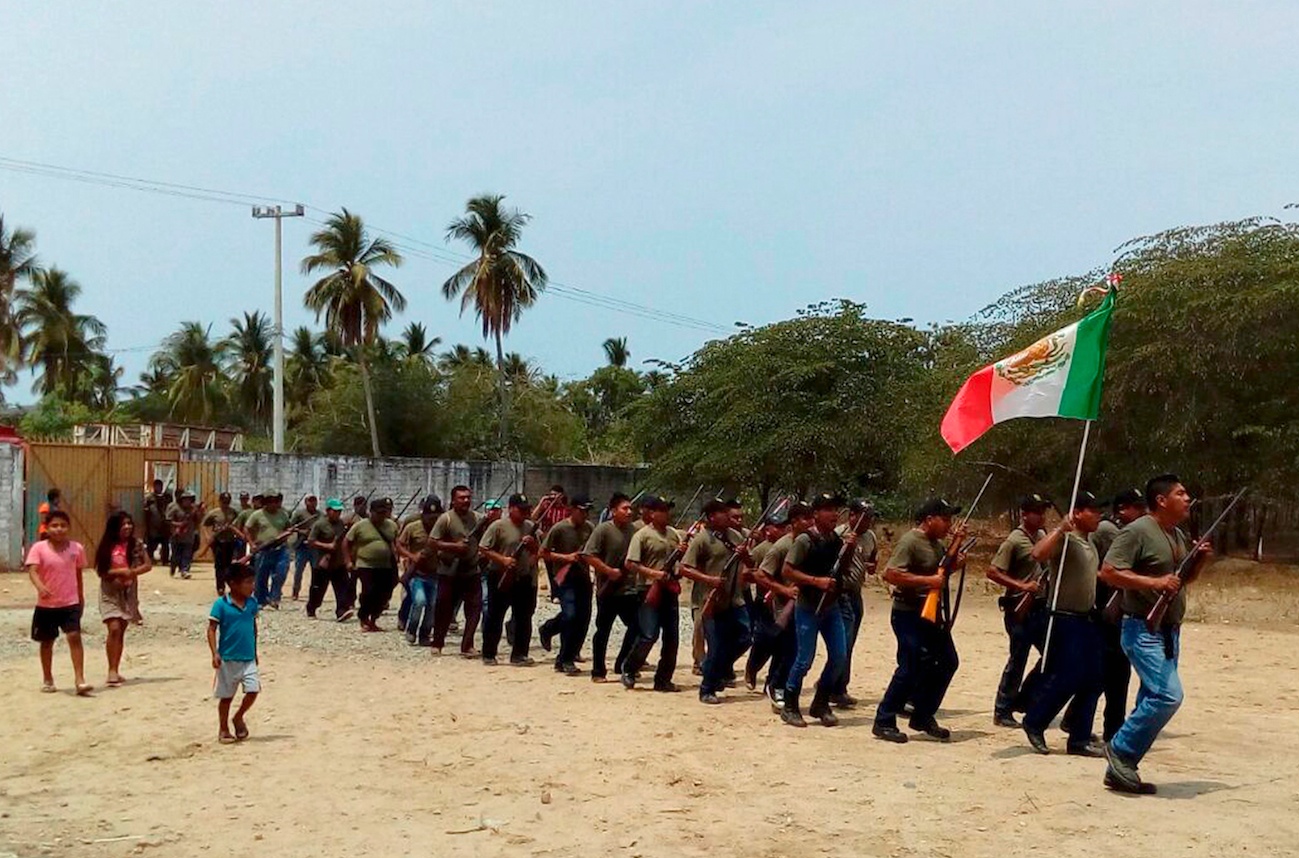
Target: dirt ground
364, 746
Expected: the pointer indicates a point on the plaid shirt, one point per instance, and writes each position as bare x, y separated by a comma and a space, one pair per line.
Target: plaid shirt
554, 514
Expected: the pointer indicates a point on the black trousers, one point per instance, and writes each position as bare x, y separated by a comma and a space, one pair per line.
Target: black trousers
152, 544
615, 606
223, 560
927, 661
1023, 638
771, 643
376, 589
1116, 672
652, 623
1074, 672
322, 580
452, 591
520, 599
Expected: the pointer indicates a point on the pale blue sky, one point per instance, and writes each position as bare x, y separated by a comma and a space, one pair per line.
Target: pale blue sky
720, 160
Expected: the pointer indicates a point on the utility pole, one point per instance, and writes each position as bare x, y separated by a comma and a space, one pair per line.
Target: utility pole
278, 212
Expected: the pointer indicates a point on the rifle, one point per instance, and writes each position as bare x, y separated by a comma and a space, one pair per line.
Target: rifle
671, 580
531, 525
842, 564
939, 596
685, 512
301, 527
731, 571
1024, 603
1155, 618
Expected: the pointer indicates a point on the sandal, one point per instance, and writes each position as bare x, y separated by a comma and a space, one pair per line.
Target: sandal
84, 689
116, 682
226, 739
48, 688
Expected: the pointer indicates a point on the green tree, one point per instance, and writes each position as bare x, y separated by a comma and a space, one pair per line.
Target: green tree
417, 346
193, 362
461, 355
616, 351
306, 368
17, 264
53, 419
352, 297
61, 344
247, 352
501, 282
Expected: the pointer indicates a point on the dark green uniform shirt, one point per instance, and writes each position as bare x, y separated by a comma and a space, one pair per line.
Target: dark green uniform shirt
609, 542
324, 530
1147, 549
263, 526
451, 526
709, 554
371, 546
1101, 540
503, 537
217, 520
919, 555
1015, 556
650, 548
1078, 583
863, 555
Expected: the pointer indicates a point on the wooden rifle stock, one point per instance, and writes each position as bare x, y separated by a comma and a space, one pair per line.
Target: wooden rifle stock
1155, 619
934, 599
670, 581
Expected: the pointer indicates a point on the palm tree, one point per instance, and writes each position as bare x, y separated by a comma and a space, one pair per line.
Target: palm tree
102, 383
417, 346
17, 263
307, 366
354, 300
247, 354
155, 379
461, 356
61, 342
192, 361
502, 282
615, 349
518, 370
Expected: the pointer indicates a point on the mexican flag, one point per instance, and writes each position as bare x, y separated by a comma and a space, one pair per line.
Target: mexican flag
1057, 376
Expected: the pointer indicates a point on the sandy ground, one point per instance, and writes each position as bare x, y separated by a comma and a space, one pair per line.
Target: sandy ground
364, 746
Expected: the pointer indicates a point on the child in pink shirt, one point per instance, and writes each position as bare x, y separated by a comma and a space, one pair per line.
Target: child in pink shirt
54, 565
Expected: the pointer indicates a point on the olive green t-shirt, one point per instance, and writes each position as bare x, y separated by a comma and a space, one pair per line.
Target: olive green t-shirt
1015, 556
371, 546
451, 526
566, 537
773, 562
182, 522
919, 555
651, 548
503, 536
241, 520
299, 516
1147, 549
217, 520
863, 555
264, 526
324, 530
708, 553
609, 542
413, 538
1103, 537
1078, 584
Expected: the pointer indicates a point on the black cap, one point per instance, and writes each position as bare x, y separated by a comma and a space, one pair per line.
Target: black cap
715, 506
432, 503
225, 496
798, 510
657, 502
520, 500
580, 502
378, 503
733, 503
936, 506
1129, 497
1034, 503
861, 505
1087, 500
826, 500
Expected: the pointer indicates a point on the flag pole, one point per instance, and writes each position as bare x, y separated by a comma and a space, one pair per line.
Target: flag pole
1064, 549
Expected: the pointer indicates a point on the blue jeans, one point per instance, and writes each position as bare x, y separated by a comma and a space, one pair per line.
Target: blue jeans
301, 557
1160, 693
272, 569
852, 610
807, 624
728, 636
423, 598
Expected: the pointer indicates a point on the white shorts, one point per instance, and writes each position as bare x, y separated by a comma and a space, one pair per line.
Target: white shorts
231, 674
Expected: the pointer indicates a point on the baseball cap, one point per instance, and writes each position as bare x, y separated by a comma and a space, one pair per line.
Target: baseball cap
581, 502
1087, 500
826, 500
225, 496
657, 502
272, 493
1034, 503
187, 494
733, 503
861, 505
492, 504
334, 503
1130, 497
798, 510
430, 503
936, 506
520, 500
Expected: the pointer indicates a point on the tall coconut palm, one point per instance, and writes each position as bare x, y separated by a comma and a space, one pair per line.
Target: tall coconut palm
417, 346
354, 300
192, 360
17, 263
501, 282
60, 343
518, 370
102, 384
307, 366
247, 354
155, 379
615, 349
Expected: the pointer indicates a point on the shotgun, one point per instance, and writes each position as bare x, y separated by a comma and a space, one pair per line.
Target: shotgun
934, 598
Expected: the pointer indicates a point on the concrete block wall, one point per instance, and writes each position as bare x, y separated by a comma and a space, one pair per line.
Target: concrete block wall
11, 506
346, 476
597, 482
